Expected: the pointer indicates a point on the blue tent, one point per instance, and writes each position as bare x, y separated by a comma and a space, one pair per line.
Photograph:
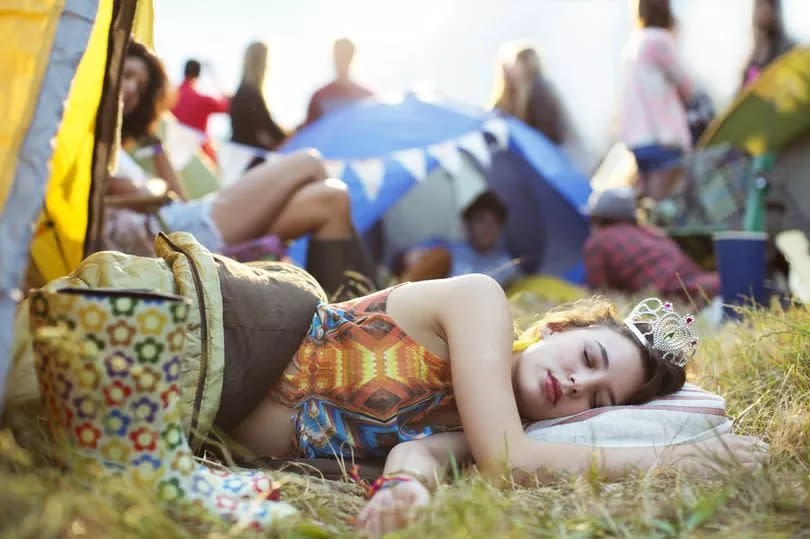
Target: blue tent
384, 149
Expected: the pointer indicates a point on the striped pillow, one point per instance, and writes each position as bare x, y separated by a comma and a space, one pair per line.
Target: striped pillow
690, 415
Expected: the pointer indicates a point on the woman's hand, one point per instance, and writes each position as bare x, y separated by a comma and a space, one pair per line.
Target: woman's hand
392, 508
715, 454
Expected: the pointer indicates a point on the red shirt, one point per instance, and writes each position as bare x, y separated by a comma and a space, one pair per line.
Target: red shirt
193, 108
633, 258
333, 96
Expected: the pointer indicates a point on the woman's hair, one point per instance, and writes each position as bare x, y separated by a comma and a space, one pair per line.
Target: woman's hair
503, 92
777, 27
661, 377
655, 14
777, 39
141, 120
255, 65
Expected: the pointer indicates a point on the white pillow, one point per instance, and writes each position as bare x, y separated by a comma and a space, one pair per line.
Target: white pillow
690, 415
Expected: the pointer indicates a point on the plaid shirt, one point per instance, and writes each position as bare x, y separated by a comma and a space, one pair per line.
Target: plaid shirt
633, 258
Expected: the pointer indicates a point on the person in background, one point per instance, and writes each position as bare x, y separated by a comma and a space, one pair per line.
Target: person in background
655, 89
622, 254
770, 38
251, 122
342, 90
290, 197
193, 108
525, 93
481, 253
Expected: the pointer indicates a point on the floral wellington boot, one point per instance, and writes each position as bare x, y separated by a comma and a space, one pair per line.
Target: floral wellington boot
108, 364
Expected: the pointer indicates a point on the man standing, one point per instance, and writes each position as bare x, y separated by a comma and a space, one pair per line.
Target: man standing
193, 108
342, 90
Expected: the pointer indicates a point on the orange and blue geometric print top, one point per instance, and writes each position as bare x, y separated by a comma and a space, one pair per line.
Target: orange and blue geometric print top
358, 382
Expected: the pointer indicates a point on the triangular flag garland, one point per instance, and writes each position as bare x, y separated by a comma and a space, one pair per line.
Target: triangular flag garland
232, 158
448, 156
335, 168
499, 129
476, 145
414, 161
370, 172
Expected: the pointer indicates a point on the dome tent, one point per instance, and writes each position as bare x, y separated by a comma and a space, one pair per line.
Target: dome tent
383, 150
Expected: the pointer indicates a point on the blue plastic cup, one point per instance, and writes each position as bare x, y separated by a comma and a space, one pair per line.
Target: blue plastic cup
741, 263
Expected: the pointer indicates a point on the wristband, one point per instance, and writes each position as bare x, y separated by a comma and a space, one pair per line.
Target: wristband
387, 481
383, 482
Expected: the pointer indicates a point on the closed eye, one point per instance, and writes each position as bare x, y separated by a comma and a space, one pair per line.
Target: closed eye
586, 358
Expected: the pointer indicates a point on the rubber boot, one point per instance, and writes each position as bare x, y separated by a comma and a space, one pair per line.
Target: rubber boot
342, 267
108, 365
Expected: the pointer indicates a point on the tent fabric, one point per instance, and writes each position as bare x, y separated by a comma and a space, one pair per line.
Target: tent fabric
58, 244
74, 24
386, 148
771, 112
432, 208
21, 71
107, 128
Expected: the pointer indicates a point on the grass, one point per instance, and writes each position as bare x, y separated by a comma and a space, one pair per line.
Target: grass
761, 366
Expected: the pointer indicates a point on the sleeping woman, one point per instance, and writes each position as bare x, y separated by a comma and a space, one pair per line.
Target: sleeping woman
420, 374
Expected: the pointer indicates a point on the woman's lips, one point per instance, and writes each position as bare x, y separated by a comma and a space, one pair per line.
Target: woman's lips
553, 389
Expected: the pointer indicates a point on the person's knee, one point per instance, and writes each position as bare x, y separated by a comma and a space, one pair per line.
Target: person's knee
310, 161
336, 197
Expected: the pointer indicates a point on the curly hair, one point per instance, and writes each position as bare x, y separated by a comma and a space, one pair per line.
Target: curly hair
141, 121
661, 377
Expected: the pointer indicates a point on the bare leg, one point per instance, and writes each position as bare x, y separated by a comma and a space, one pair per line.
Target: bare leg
321, 208
249, 208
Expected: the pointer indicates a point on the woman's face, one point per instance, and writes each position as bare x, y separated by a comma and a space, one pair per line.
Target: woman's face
764, 14
134, 81
575, 370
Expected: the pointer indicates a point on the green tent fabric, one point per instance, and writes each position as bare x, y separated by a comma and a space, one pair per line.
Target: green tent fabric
771, 112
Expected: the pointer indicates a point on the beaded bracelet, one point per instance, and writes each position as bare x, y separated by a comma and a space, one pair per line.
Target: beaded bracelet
387, 481
383, 482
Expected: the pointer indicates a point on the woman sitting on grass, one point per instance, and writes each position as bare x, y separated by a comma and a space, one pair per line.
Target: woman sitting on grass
289, 197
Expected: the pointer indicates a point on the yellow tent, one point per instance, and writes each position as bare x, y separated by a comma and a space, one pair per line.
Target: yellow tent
60, 65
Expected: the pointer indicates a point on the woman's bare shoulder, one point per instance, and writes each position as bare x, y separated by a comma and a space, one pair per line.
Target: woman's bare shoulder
422, 308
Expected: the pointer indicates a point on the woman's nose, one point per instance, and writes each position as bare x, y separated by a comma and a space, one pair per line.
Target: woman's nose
573, 386
577, 383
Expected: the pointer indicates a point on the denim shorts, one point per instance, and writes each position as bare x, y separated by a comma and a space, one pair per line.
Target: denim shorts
194, 217
653, 157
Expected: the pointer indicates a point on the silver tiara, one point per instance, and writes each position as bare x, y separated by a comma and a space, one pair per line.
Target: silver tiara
666, 331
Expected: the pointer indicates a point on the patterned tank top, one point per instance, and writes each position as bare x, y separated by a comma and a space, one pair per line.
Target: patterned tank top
358, 382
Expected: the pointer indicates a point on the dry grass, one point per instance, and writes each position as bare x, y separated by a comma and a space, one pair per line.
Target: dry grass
761, 366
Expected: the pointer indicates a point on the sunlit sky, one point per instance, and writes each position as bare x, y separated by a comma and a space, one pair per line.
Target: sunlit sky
451, 46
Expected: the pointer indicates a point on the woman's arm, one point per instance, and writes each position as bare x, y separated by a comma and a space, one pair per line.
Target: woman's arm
473, 314
425, 460
428, 458
165, 171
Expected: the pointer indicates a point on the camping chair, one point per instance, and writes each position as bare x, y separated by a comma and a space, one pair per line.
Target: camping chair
711, 197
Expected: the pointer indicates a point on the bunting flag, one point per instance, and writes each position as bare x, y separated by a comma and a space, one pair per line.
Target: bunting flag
446, 153
335, 169
476, 145
499, 129
414, 161
370, 172
182, 142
